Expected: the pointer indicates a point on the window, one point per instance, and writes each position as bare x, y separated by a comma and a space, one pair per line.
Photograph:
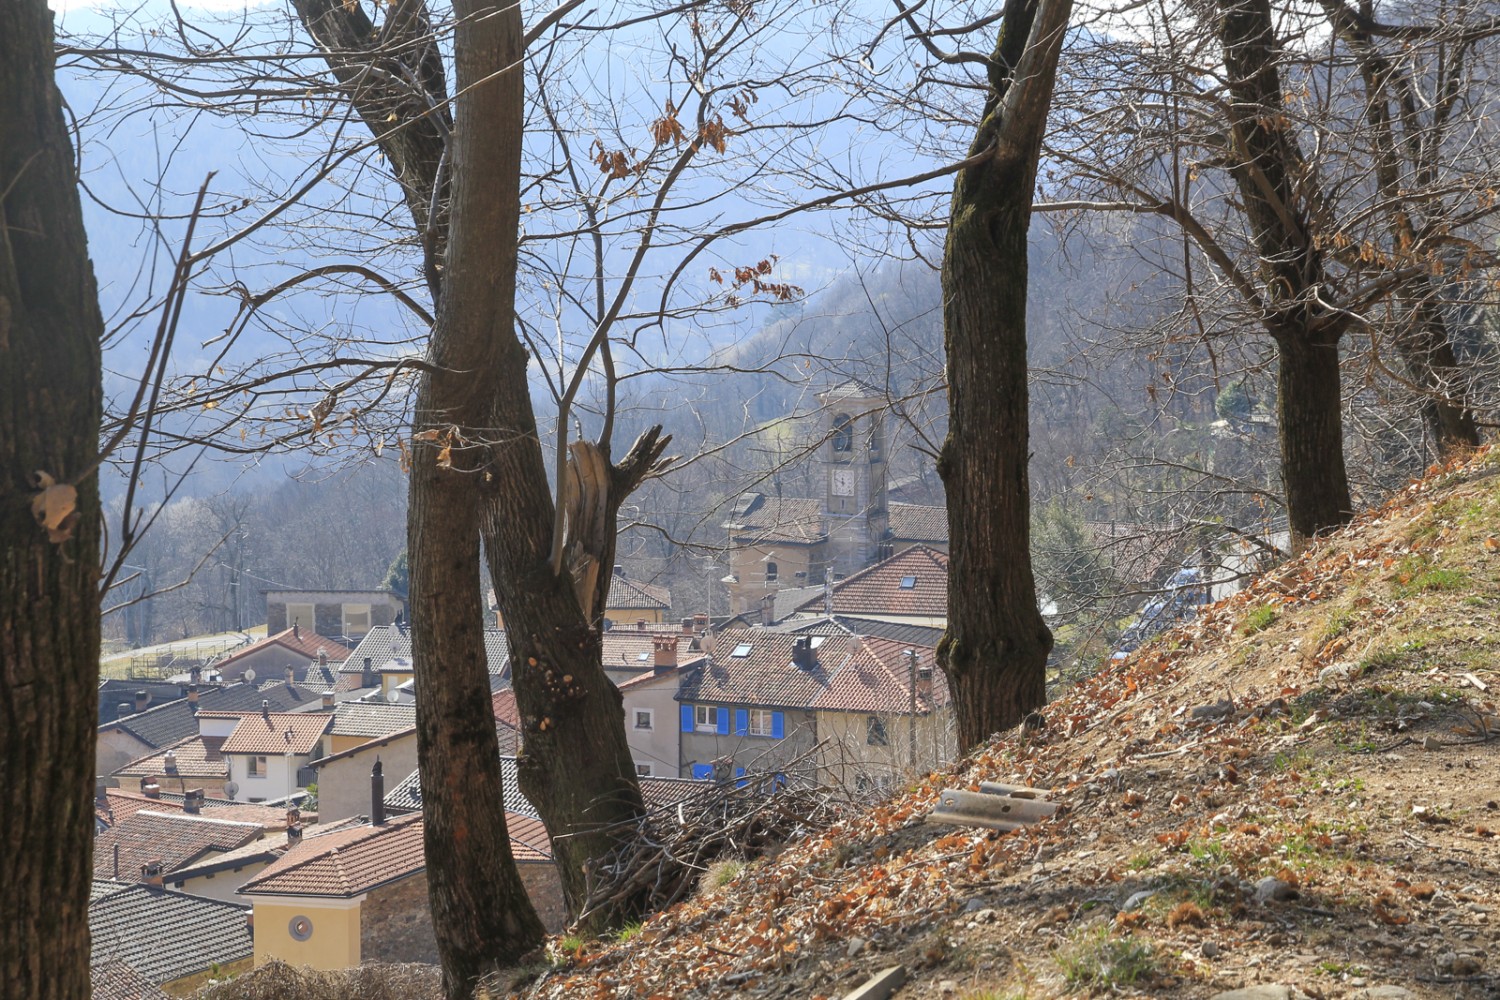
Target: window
706, 718
257, 767
908, 583
643, 770
875, 734
760, 721
356, 619
843, 433
644, 718
771, 572
303, 616
742, 650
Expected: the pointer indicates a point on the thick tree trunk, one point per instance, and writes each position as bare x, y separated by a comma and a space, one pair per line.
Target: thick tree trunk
481, 913
1309, 410
1274, 184
49, 601
995, 649
1427, 351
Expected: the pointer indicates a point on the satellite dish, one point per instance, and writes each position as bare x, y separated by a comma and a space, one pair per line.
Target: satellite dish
250, 676
394, 696
231, 788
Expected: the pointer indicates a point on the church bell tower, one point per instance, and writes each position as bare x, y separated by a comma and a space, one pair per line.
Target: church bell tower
854, 464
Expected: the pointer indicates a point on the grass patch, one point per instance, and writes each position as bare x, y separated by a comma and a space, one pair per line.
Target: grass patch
719, 874
1258, 620
1096, 959
1417, 575
627, 932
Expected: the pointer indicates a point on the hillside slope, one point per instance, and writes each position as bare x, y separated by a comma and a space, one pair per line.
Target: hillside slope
1296, 792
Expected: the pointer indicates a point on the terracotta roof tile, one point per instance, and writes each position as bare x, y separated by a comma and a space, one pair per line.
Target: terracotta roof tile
913, 582
197, 758
112, 979
629, 648
173, 838
912, 522
177, 720
877, 678
305, 646
783, 520
754, 667
165, 935
277, 732
119, 805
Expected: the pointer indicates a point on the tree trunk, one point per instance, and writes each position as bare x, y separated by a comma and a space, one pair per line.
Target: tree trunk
50, 329
1427, 351
481, 913
1309, 410
1276, 186
995, 649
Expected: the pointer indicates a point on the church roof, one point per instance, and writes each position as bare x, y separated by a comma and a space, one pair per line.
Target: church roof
778, 520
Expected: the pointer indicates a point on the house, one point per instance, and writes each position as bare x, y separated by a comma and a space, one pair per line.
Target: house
296, 648
267, 752
173, 941
119, 697
344, 775
357, 722
910, 587
631, 602
777, 542
360, 894
872, 707
156, 727
343, 615
221, 876
749, 707
150, 844
383, 661
192, 762
650, 701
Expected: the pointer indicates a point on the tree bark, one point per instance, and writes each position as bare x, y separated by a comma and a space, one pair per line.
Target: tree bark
50, 403
481, 913
1276, 187
995, 649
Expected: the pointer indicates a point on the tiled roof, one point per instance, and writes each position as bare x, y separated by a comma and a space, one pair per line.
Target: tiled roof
627, 594
349, 862
877, 678
115, 691
172, 838
101, 887
630, 648
277, 732
197, 758
268, 848
167, 935
658, 792
112, 979
504, 705
302, 646
783, 520
176, 720
765, 673
902, 632
378, 743
362, 718
911, 522
119, 805
879, 589
384, 643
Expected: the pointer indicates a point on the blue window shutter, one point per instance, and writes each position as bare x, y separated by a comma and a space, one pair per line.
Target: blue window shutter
778, 725
703, 772
741, 722
723, 718
743, 781
687, 718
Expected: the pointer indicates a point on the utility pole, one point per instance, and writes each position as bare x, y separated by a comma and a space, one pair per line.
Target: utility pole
911, 719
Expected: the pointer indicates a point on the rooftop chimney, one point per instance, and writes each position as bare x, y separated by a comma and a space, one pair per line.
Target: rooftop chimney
663, 651
296, 630
327, 700
293, 835
195, 675
169, 762
640, 624
142, 699
291, 677
322, 657
265, 709
377, 794
804, 657
687, 626
700, 621
367, 675
619, 570
192, 801
101, 790
123, 709
151, 873
150, 788
193, 697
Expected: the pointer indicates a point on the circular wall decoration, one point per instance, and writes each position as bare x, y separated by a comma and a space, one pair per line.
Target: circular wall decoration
300, 928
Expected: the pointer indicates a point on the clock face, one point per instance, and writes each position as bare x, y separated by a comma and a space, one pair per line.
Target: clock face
843, 482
